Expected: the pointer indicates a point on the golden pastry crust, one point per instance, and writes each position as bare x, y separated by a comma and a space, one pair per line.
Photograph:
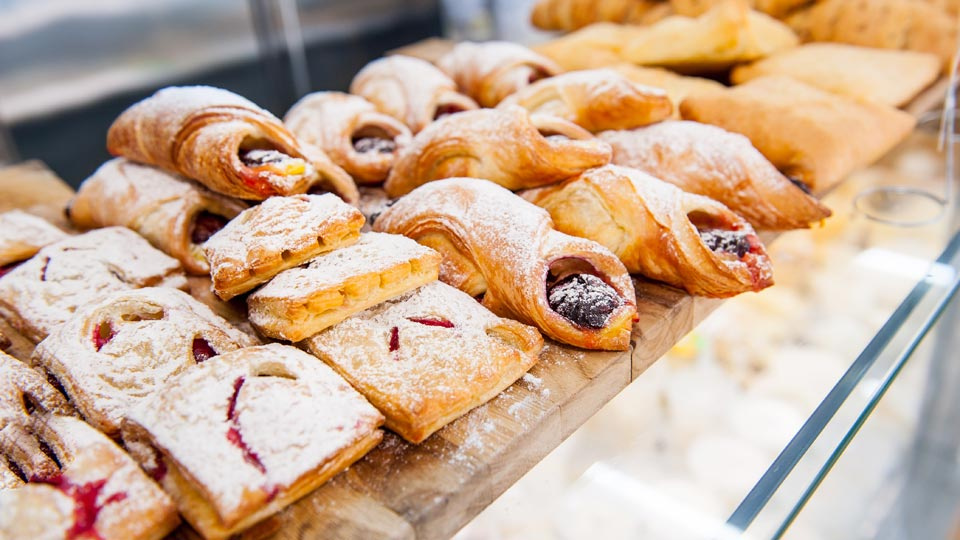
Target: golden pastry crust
508, 146
408, 356
677, 87
775, 8
161, 207
594, 46
410, 90
656, 230
241, 436
810, 135
574, 14
709, 161
277, 234
302, 301
335, 122
595, 99
21, 237
497, 245
119, 350
200, 132
490, 71
878, 75
47, 290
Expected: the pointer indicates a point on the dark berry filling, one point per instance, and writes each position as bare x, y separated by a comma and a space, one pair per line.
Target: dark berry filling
102, 334
234, 435
374, 144
799, 183
428, 321
5, 269
202, 350
43, 271
444, 110
584, 299
85, 508
394, 339
206, 225
735, 242
258, 158
159, 468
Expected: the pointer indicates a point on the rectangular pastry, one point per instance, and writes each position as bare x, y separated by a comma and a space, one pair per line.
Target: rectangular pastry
428, 357
302, 301
21, 237
241, 436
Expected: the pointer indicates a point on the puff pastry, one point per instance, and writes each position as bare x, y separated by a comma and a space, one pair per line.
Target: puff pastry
176, 215
302, 301
21, 237
126, 346
573, 14
428, 357
277, 234
595, 99
677, 87
497, 246
508, 146
707, 160
410, 90
45, 291
351, 131
776, 8
593, 46
490, 71
241, 436
864, 73
659, 231
225, 142
812, 136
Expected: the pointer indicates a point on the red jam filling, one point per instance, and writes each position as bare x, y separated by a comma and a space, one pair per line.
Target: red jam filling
205, 225
5, 269
85, 509
431, 322
234, 435
159, 469
202, 350
444, 110
102, 334
394, 339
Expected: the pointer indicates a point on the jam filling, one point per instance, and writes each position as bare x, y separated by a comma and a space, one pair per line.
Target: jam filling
206, 225
43, 271
584, 300
377, 145
272, 161
202, 350
85, 508
444, 110
159, 469
102, 334
394, 339
735, 242
5, 269
427, 321
234, 435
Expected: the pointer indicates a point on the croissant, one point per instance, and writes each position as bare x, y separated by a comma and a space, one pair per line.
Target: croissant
410, 90
225, 142
176, 215
351, 131
491, 71
508, 146
595, 99
710, 161
686, 240
573, 14
498, 247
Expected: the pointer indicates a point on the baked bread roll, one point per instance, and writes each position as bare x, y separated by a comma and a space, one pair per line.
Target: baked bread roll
497, 247
427, 357
241, 436
491, 71
570, 15
709, 161
409, 89
226, 143
174, 214
22, 235
659, 231
508, 146
351, 131
595, 99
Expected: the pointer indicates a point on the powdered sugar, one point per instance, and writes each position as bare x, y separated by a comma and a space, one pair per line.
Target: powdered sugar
23, 234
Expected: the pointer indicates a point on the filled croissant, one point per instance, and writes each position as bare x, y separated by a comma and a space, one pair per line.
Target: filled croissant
507, 146
490, 71
710, 161
659, 231
505, 251
226, 143
351, 131
595, 99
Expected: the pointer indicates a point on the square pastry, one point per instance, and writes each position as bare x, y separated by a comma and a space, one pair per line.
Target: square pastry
21, 237
45, 291
429, 356
240, 436
121, 349
277, 234
302, 301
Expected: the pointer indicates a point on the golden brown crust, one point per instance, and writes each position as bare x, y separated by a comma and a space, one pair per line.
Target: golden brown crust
508, 146
677, 87
776, 8
574, 14
654, 228
593, 46
490, 71
22, 235
495, 244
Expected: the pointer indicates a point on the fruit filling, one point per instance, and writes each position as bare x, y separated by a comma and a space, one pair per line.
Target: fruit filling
394, 339
721, 241
429, 321
584, 299
202, 350
5, 269
375, 145
272, 162
86, 509
447, 109
205, 225
102, 334
234, 435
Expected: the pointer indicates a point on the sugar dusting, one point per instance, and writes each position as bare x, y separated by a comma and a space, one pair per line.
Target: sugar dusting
23, 234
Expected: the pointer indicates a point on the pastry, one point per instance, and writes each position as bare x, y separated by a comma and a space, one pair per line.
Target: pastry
593, 46
706, 160
427, 357
410, 90
776, 8
677, 87
97, 491
351, 131
21, 237
595, 99
127, 345
882, 76
508, 146
812, 136
504, 250
61, 278
492, 70
176, 215
573, 14
277, 234
686, 240
302, 301
225, 142
241, 436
